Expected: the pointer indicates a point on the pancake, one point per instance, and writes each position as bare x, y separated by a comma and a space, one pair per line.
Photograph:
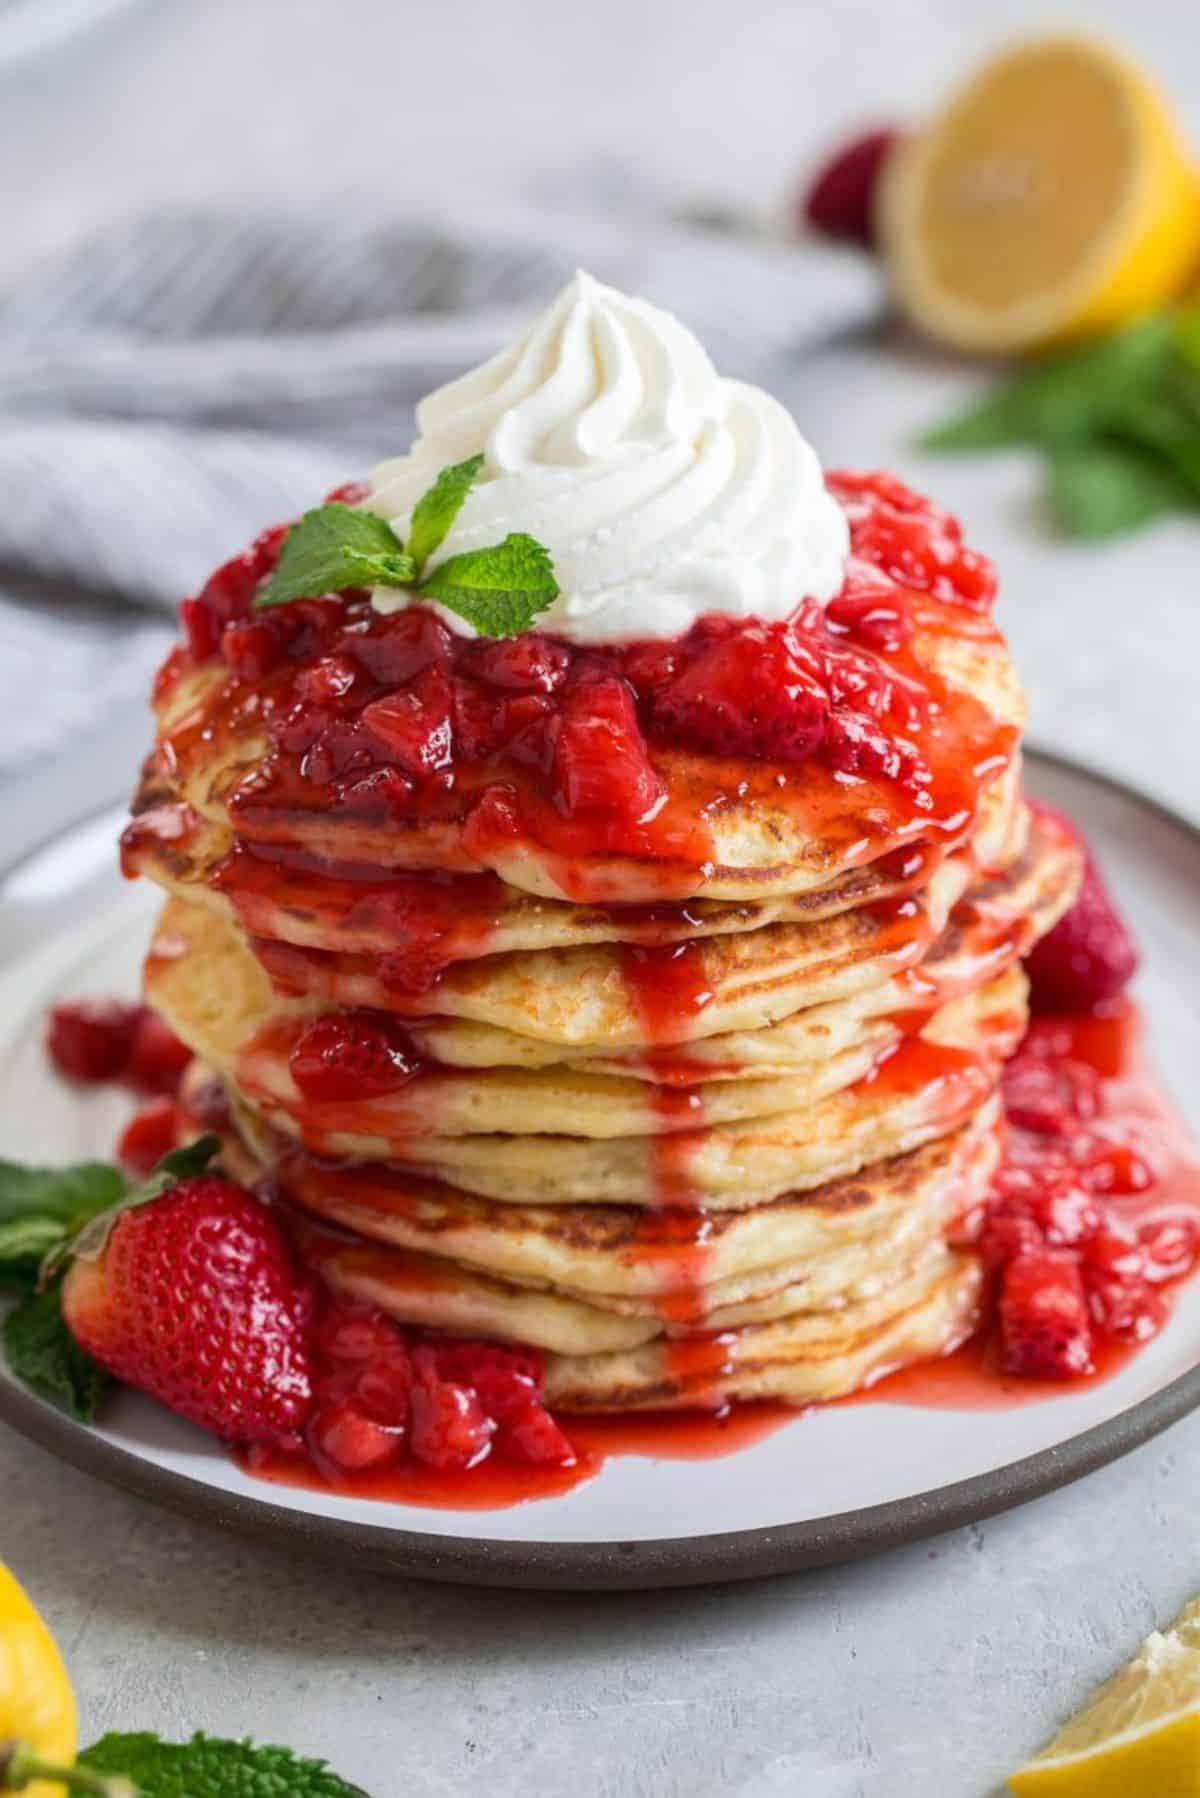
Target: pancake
419, 1291
454, 918
803, 1359
731, 830
931, 1084
995, 923
214, 994
664, 1264
604, 995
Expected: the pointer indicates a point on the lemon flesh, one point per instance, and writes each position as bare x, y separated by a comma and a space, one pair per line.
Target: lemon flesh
1139, 1735
1050, 200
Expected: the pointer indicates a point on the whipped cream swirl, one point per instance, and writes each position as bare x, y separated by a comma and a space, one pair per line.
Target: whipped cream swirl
661, 490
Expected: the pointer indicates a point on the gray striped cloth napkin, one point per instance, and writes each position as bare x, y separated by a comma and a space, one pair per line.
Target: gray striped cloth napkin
171, 388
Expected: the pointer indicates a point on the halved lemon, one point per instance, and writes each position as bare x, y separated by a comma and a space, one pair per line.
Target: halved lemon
1139, 1735
1051, 199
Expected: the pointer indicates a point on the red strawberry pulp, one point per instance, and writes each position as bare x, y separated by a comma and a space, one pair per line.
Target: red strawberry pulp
564, 753
1108, 1182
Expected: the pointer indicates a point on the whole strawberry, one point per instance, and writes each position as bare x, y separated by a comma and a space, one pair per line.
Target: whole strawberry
841, 200
1090, 955
194, 1299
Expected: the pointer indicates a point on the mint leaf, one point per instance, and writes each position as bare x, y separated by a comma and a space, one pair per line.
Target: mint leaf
333, 547
994, 423
69, 1195
436, 510
1101, 490
25, 1240
1066, 397
1167, 424
40, 1207
41, 1351
89, 1242
206, 1767
501, 590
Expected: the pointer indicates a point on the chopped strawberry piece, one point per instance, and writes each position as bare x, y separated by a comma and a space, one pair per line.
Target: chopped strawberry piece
229, 593
91, 1040
1065, 1214
352, 1055
351, 1332
344, 1439
913, 542
402, 646
868, 617
449, 1426
1044, 1320
158, 1058
151, 1133
840, 203
1169, 1246
601, 766
1108, 1166
1006, 1234
1050, 1098
350, 493
1089, 956
201, 629
531, 1434
505, 1378
254, 646
525, 664
1125, 1307
754, 691
413, 727
1113, 1252
650, 665
326, 681
384, 1386
858, 744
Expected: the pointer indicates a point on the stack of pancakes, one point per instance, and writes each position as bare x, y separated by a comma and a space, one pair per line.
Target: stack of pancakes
694, 1150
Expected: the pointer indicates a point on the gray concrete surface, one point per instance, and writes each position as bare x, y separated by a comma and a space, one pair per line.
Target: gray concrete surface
930, 1669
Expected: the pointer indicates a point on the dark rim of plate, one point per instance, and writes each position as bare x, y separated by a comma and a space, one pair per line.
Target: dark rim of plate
640, 1565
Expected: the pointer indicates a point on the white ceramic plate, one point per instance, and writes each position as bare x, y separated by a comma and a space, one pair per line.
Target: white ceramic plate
831, 1485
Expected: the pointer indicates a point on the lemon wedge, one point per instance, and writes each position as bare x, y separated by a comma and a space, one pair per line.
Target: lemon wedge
1139, 1736
37, 1705
1051, 199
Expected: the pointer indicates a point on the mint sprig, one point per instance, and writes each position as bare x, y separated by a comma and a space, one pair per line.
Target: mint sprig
499, 590
1117, 421
207, 1767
